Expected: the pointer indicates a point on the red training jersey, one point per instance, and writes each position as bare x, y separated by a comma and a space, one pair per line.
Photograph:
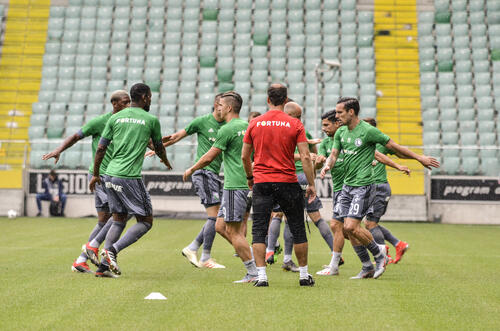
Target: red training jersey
274, 137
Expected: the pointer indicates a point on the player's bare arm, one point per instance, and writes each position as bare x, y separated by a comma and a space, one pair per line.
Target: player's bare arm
67, 143
296, 157
330, 162
246, 157
162, 154
205, 160
169, 140
307, 166
99, 156
382, 158
427, 161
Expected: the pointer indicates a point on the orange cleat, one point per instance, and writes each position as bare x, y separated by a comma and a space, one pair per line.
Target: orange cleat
401, 248
81, 268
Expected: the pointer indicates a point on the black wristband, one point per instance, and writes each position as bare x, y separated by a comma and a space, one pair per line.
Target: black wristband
249, 177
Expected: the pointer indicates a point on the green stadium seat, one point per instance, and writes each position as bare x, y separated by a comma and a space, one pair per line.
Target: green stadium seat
481, 66
429, 102
430, 126
443, 17
458, 17
76, 108
430, 114
425, 17
431, 138
464, 79
444, 54
465, 102
428, 77
476, 5
427, 54
449, 126
206, 74
486, 125
427, 89
451, 165
463, 66
490, 166
448, 114
446, 90
460, 30
467, 126
447, 102
466, 114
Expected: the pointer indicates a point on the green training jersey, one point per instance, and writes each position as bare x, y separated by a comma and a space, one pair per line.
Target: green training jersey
325, 149
130, 131
230, 141
298, 164
95, 128
359, 150
206, 127
379, 171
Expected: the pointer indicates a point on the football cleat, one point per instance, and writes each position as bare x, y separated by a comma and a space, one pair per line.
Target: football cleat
110, 256
364, 273
328, 271
191, 256
211, 264
261, 283
270, 258
401, 248
81, 268
341, 262
380, 263
309, 281
104, 272
290, 266
92, 253
247, 279
278, 249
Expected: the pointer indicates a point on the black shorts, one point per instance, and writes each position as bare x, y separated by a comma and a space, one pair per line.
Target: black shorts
291, 200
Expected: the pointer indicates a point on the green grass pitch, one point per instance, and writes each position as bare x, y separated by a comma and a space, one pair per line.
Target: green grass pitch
448, 280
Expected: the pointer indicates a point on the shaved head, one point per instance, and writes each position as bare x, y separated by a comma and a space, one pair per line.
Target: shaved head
118, 94
293, 109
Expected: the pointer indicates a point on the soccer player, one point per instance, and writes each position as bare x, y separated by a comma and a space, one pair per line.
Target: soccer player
206, 181
130, 131
274, 136
119, 100
358, 140
379, 206
252, 115
229, 142
294, 110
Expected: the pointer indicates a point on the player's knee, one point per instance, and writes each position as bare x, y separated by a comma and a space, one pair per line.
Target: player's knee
220, 226
370, 224
350, 228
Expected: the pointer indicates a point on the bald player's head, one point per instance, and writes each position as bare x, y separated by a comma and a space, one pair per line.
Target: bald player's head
293, 109
120, 100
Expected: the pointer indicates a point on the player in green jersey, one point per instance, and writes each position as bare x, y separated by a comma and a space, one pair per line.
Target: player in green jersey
379, 206
206, 181
358, 140
119, 100
130, 130
231, 215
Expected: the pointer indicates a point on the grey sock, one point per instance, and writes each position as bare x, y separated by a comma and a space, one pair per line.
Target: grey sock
96, 230
251, 267
324, 229
133, 234
273, 233
374, 249
388, 236
196, 243
378, 236
209, 234
114, 233
363, 255
288, 238
99, 238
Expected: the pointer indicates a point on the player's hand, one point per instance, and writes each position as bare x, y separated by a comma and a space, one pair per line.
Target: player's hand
404, 169
324, 170
95, 180
56, 198
320, 159
168, 165
149, 154
187, 174
166, 139
54, 155
250, 183
310, 193
429, 162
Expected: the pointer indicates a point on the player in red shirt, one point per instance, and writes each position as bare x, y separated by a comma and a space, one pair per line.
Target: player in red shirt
273, 138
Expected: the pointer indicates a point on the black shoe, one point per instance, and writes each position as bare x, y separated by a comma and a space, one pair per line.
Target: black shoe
103, 271
261, 283
341, 262
39, 214
278, 249
309, 281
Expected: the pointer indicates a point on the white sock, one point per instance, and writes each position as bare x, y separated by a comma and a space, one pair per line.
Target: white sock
251, 268
81, 259
262, 273
287, 258
94, 244
304, 274
334, 263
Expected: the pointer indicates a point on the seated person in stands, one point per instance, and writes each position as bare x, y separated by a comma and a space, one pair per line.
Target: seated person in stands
53, 192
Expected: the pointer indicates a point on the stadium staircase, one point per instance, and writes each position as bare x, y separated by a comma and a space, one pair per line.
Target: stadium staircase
398, 84
20, 74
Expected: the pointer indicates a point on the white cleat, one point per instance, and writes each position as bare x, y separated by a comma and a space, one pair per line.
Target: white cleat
380, 263
191, 256
328, 271
247, 279
210, 264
